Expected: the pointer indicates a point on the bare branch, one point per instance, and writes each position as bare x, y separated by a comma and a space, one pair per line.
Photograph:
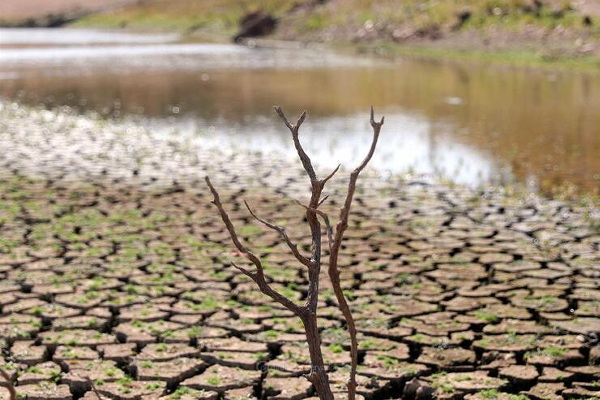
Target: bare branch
322, 200
328, 177
244, 271
9, 385
319, 376
325, 217
372, 120
287, 122
230, 228
333, 271
258, 277
304, 158
307, 313
328, 229
315, 210
281, 230
311, 216
345, 211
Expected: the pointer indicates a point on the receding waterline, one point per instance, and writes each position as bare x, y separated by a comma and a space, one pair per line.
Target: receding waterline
471, 124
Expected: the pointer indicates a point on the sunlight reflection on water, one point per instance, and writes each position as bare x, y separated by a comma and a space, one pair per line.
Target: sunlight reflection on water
44, 36
470, 123
408, 144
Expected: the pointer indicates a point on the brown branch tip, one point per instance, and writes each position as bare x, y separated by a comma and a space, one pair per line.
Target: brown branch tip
287, 122
372, 120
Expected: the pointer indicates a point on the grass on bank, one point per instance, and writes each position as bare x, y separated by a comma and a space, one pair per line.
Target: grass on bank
524, 58
424, 15
220, 16
352, 14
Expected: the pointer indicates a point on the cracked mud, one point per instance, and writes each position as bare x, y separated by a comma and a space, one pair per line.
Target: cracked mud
115, 277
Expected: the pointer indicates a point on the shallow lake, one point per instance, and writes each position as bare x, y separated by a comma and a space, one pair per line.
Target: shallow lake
472, 123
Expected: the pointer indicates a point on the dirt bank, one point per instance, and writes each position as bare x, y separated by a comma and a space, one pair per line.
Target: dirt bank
540, 29
530, 30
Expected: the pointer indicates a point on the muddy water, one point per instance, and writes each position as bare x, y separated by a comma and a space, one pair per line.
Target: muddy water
470, 123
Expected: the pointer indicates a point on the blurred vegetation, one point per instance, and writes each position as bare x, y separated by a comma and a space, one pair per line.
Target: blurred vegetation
516, 31
219, 16
301, 17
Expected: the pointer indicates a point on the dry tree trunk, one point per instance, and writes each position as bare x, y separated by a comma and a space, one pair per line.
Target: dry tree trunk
308, 312
10, 387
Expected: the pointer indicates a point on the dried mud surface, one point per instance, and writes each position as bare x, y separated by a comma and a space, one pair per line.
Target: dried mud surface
116, 282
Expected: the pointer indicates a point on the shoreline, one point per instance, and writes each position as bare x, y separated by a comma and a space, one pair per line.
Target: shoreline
133, 151
391, 51
386, 50
557, 34
129, 153
545, 32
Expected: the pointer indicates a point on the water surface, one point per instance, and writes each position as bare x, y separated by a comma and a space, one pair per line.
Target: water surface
470, 123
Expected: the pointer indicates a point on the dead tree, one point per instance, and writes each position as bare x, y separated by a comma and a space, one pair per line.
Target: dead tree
308, 312
9, 385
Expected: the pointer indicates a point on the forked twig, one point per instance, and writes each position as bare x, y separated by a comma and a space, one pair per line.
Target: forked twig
9, 384
258, 277
319, 376
294, 128
334, 247
281, 230
342, 225
311, 216
334, 273
325, 217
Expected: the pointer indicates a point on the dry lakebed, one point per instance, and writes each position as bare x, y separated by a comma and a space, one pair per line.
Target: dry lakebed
116, 279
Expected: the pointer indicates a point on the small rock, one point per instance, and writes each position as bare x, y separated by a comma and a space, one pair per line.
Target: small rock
258, 23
